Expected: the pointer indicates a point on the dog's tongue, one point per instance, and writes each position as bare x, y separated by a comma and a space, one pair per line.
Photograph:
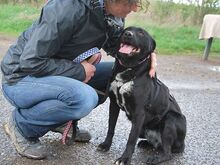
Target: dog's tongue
127, 49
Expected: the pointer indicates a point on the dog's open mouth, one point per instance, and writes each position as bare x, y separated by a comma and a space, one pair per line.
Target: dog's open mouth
128, 49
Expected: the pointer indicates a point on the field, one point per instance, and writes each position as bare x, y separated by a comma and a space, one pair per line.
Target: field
172, 38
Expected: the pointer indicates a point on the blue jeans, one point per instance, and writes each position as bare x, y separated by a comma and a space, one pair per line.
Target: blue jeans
44, 103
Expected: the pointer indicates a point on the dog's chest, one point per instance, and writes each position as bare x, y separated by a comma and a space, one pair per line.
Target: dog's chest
122, 87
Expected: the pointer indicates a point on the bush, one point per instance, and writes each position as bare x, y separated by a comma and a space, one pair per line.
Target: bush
186, 14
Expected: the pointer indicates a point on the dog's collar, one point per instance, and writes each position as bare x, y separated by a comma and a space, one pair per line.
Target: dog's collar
134, 65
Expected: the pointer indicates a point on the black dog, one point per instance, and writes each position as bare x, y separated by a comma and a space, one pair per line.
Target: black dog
154, 113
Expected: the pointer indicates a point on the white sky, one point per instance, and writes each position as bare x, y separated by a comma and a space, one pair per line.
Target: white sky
187, 1
190, 1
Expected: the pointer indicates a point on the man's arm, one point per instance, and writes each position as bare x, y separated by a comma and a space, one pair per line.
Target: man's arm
52, 30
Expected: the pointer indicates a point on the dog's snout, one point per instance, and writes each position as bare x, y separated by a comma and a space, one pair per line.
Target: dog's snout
128, 34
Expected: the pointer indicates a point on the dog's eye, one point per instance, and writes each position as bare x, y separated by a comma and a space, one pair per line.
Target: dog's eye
141, 34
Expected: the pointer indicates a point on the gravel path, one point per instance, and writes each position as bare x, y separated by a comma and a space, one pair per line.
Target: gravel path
195, 84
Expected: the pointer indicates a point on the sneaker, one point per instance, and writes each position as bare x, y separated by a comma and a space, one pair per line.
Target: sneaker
81, 135
29, 148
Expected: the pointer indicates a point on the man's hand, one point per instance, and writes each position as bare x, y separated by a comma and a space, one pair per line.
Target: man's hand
89, 69
95, 59
152, 71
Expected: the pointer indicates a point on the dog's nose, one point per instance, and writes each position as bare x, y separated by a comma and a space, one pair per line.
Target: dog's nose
128, 34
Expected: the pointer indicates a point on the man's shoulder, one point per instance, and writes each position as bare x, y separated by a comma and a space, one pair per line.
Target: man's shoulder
66, 10
67, 5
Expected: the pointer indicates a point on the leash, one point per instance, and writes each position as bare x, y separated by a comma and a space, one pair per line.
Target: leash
70, 124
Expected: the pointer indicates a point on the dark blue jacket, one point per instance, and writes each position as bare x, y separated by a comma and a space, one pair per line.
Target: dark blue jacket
65, 29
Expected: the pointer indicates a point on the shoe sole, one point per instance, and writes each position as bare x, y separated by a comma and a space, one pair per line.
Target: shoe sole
7, 131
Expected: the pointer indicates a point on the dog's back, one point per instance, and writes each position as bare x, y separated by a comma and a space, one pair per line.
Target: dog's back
162, 110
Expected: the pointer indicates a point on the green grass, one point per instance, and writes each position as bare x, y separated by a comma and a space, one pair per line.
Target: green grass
15, 18
171, 39
176, 39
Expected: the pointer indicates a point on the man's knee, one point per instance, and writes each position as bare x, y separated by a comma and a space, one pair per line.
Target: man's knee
89, 101
86, 102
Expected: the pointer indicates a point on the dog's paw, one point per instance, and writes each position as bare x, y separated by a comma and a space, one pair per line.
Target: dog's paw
103, 147
151, 160
122, 161
157, 159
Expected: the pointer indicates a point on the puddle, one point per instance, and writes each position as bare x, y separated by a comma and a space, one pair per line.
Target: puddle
195, 85
215, 68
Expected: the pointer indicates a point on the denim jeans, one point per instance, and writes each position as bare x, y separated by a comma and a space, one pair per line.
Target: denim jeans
44, 103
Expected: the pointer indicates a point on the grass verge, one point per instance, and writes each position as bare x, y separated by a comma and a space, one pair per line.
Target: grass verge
170, 38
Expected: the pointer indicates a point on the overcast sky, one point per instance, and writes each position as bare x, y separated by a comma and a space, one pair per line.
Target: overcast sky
191, 1
186, 1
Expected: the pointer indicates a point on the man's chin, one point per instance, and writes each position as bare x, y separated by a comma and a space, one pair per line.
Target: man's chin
122, 15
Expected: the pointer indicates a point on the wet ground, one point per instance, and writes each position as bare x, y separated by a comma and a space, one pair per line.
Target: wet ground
194, 83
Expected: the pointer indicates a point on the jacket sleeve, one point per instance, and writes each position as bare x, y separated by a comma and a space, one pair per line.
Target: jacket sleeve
54, 27
114, 30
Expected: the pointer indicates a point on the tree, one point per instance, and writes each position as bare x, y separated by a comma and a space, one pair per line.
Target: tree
204, 7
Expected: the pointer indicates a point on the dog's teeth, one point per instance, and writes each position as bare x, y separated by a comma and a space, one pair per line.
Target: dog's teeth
134, 50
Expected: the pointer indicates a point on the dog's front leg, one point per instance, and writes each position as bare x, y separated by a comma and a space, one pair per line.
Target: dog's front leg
113, 116
137, 122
